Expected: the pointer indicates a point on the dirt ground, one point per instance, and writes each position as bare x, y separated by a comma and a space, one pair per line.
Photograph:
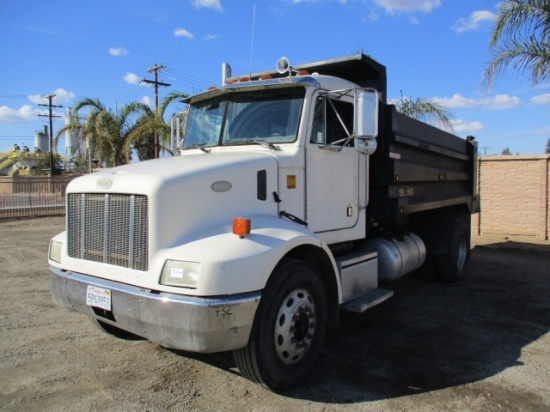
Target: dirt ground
483, 344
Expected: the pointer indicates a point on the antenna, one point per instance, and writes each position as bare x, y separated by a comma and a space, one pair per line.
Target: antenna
252, 38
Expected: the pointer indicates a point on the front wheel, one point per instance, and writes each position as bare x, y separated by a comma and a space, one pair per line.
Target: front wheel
289, 328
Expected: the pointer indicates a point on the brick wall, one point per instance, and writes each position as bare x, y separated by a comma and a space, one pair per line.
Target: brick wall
514, 194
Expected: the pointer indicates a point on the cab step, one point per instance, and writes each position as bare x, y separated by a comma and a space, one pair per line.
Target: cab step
368, 300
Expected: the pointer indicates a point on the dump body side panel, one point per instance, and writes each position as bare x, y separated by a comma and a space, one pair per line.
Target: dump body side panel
418, 167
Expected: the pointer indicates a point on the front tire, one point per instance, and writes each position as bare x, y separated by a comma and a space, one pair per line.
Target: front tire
289, 328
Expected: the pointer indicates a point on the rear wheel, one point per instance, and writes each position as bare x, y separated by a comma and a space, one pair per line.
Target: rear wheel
289, 328
451, 265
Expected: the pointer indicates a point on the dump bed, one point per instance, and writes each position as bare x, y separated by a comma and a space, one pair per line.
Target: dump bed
419, 167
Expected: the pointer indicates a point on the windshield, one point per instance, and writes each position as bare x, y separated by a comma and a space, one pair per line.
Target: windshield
269, 116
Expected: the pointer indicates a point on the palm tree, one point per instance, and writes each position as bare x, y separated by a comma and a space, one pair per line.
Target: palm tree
521, 38
426, 110
111, 134
156, 124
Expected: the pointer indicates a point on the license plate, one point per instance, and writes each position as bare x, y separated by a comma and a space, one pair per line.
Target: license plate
98, 297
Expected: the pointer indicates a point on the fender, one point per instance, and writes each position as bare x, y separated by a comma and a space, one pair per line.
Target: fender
232, 265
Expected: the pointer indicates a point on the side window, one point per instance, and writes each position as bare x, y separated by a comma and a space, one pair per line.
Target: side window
332, 121
318, 127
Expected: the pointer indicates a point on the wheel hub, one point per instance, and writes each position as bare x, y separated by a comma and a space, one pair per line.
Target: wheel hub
295, 327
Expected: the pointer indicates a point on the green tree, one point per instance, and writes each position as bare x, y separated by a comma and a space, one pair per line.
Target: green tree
156, 124
521, 39
426, 110
110, 134
44, 165
506, 152
547, 147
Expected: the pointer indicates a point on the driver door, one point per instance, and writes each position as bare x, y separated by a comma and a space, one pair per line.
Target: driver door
332, 168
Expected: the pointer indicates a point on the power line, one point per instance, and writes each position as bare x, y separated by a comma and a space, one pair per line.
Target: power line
190, 77
191, 82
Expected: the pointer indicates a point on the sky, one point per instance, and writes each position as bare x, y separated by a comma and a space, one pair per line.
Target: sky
102, 50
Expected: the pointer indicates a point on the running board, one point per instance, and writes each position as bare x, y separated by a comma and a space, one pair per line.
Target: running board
368, 300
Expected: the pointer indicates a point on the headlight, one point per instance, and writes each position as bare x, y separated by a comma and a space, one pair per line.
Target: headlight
55, 251
183, 274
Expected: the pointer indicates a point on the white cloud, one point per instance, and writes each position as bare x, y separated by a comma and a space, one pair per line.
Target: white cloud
473, 22
545, 131
61, 96
210, 37
132, 78
118, 51
456, 101
208, 4
501, 101
372, 16
15, 116
461, 126
498, 102
541, 99
425, 6
147, 100
181, 32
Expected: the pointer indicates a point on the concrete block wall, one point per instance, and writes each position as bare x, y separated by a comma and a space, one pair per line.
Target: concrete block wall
514, 194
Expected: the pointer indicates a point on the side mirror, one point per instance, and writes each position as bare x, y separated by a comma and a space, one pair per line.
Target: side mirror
366, 120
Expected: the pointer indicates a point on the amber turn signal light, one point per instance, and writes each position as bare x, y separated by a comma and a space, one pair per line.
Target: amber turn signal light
241, 226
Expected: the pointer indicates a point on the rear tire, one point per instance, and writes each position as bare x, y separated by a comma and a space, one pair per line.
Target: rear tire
289, 328
451, 266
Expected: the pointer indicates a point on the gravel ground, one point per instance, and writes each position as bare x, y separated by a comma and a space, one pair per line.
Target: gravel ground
483, 344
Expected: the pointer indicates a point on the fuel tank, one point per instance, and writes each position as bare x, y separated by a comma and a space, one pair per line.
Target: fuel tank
397, 256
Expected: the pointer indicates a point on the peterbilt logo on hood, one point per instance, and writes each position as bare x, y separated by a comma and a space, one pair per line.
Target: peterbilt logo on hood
221, 186
104, 183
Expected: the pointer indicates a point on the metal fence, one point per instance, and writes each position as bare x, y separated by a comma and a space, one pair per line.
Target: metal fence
22, 196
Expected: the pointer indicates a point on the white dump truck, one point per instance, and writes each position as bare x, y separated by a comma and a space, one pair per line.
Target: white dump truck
298, 193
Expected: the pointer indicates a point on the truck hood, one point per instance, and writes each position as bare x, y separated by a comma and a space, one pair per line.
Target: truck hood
191, 193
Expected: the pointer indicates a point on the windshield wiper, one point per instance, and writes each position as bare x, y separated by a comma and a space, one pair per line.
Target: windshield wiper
258, 142
199, 146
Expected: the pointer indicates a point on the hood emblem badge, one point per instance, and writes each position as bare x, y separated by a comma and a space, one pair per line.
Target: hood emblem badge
104, 183
221, 186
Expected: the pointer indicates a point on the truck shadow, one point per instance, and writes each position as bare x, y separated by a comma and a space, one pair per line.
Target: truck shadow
433, 335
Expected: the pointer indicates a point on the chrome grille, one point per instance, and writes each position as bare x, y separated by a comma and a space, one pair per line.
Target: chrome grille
109, 228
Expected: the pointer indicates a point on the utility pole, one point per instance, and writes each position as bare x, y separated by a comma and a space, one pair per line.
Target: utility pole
50, 106
155, 70
485, 149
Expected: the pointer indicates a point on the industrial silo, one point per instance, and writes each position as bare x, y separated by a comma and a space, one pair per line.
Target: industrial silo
70, 140
42, 141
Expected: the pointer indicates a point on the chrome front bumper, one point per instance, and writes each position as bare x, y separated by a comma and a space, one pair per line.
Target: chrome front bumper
195, 324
